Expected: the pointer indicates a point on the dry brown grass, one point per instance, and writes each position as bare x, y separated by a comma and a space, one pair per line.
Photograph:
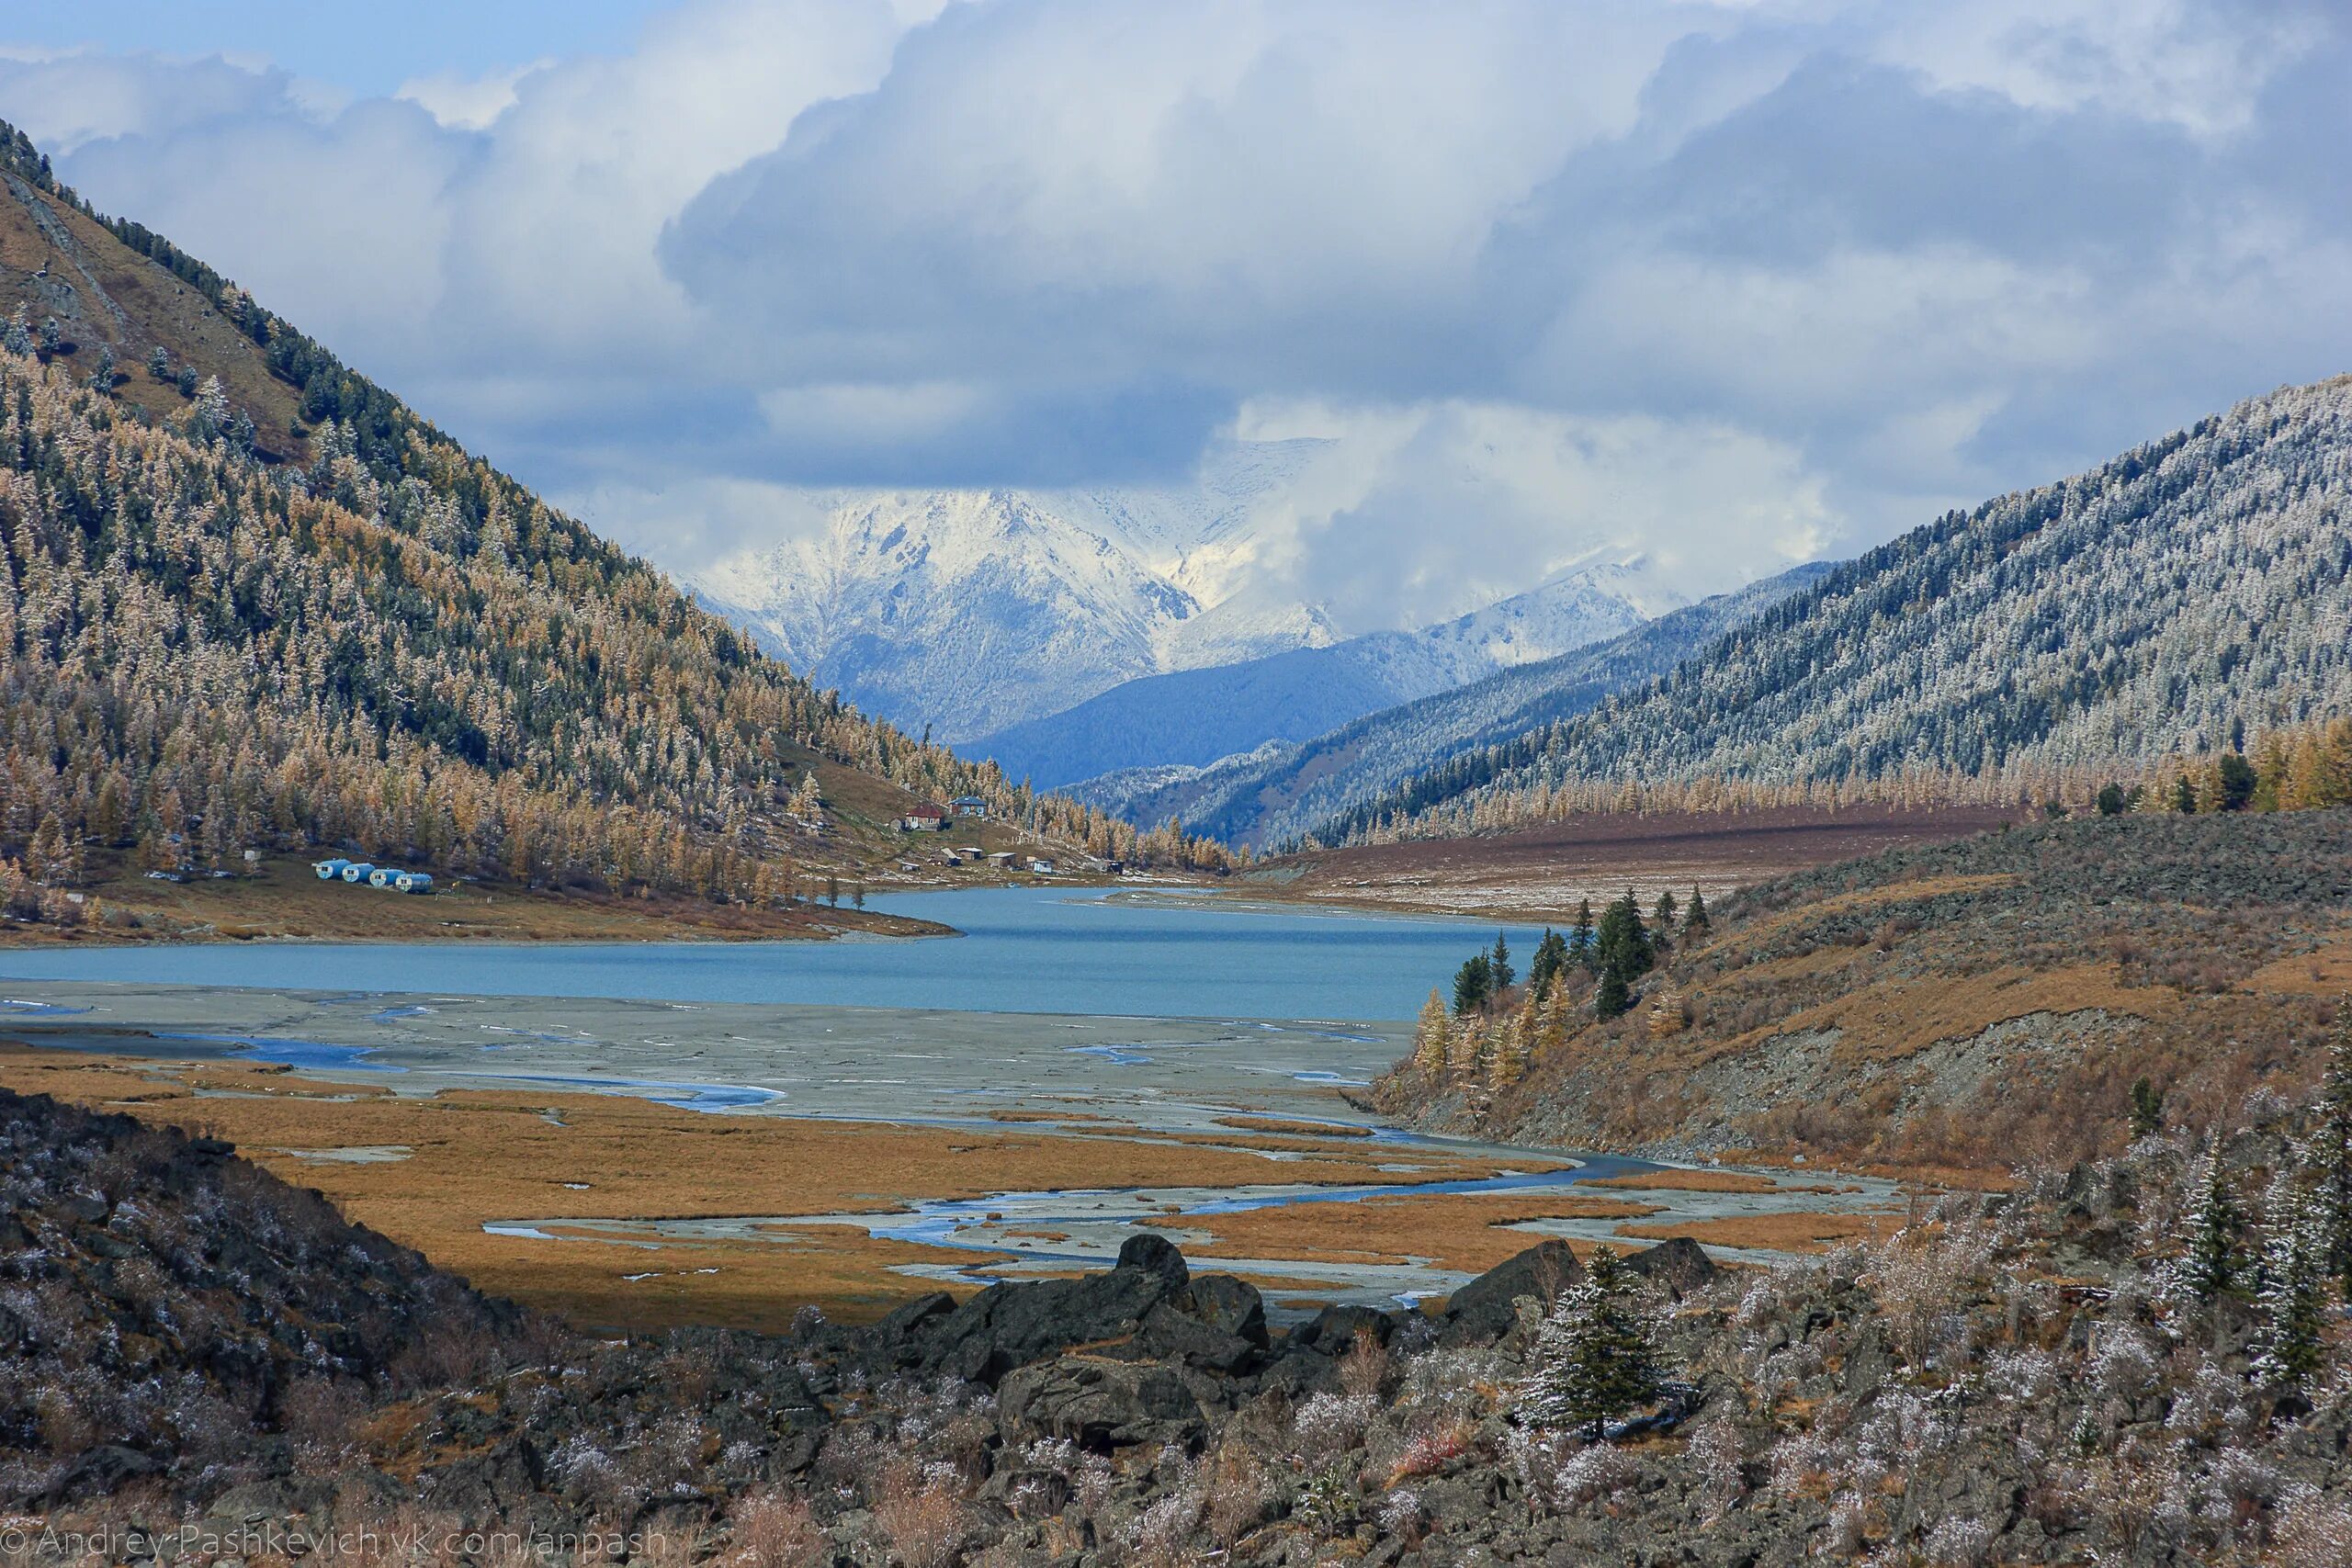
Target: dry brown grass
1777, 1233
1464, 1231
2325, 973
1289, 1124
1689, 1181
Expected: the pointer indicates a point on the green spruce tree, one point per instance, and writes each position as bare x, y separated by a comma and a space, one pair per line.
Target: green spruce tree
1473, 984
1501, 973
1551, 957
2213, 1236
1580, 935
2291, 1347
2147, 1109
1593, 1358
1694, 918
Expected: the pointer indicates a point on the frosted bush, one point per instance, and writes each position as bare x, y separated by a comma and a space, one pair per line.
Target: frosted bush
1958, 1542
1401, 1513
1592, 1475
1716, 1453
2125, 1366
1446, 1383
1160, 1533
1329, 1425
1848, 1526
2315, 1530
2023, 1376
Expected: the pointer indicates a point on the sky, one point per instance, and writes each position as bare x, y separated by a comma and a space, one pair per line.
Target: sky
1731, 284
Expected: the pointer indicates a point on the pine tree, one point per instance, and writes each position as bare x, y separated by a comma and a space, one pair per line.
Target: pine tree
1580, 935
1431, 1036
1593, 1357
1473, 984
2147, 1109
2292, 1304
2184, 796
1501, 973
1551, 957
2212, 1231
1612, 995
1694, 919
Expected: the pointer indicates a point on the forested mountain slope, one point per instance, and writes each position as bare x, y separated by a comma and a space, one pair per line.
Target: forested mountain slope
2191, 593
1281, 792
284, 611
1194, 718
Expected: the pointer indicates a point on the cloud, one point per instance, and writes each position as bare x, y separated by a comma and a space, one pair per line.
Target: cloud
467, 103
1725, 282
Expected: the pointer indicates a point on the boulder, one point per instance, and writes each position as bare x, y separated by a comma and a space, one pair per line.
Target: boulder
1010, 1325
1333, 1330
1680, 1265
1170, 1335
1155, 1254
1231, 1306
1487, 1308
1098, 1405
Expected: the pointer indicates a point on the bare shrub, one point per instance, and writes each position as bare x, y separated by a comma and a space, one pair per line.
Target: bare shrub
321, 1418
773, 1527
1363, 1371
920, 1511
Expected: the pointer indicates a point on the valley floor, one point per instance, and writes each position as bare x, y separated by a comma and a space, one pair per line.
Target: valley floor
566, 1152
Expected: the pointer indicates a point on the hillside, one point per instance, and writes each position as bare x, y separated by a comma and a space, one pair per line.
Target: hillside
1281, 793
2182, 599
286, 613
1970, 1003
1195, 717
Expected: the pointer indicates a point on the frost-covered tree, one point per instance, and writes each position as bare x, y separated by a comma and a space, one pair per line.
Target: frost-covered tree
18, 337
159, 363
1594, 1356
2213, 1237
208, 421
2292, 1304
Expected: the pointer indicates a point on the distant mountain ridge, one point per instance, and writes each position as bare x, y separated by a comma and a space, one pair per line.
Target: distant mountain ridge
968, 611
1279, 792
1194, 718
2189, 593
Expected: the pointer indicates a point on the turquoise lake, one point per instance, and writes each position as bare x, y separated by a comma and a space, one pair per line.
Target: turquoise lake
1024, 950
